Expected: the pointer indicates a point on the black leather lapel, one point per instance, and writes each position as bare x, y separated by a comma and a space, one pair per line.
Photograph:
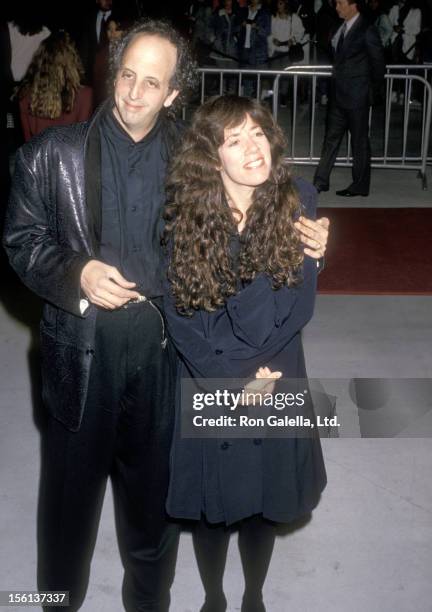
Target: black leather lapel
93, 191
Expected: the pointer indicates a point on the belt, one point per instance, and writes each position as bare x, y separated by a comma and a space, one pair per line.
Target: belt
143, 300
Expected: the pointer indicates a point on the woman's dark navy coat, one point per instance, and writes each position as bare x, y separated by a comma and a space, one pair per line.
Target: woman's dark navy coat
280, 478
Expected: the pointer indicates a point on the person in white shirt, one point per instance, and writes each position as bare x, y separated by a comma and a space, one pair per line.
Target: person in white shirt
406, 21
20, 39
24, 44
286, 29
102, 18
92, 36
381, 21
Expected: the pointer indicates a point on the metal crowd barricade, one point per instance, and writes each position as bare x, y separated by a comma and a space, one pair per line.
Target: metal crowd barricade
405, 139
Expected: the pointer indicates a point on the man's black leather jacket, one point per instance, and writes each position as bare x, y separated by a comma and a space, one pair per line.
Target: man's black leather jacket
52, 230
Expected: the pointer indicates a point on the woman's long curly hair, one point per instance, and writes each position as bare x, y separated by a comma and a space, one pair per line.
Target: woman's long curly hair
200, 224
53, 77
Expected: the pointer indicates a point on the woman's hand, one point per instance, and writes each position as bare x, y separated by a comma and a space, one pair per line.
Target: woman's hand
314, 235
264, 382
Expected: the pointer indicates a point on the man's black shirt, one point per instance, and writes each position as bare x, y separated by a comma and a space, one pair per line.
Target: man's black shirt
133, 183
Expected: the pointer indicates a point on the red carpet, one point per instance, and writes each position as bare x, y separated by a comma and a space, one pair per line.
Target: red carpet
378, 251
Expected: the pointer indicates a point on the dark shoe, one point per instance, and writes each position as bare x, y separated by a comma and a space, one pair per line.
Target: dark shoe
346, 193
215, 604
252, 604
320, 188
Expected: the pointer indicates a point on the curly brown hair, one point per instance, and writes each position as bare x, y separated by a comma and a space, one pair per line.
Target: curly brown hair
53, 77
200, 225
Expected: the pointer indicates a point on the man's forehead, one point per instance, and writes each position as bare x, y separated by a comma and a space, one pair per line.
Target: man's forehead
150, 46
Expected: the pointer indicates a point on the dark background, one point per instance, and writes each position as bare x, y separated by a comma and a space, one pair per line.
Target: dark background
70, 14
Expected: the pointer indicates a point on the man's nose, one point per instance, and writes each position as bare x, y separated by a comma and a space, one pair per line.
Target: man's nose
136, 91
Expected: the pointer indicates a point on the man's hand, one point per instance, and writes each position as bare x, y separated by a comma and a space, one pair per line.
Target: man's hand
264, 382
104, 285
314, 235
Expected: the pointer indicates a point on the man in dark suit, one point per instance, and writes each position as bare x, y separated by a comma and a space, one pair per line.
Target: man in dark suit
358, 72
91, 36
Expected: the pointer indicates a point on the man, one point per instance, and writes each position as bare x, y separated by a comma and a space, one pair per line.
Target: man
91, 36
83, 231
358, 72
84, 219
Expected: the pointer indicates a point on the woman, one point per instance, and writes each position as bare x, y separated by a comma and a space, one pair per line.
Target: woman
406, 18
240, 290
284, 43
287, 30
51, 92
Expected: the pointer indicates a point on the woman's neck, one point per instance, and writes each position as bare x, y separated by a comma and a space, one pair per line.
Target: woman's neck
240, 199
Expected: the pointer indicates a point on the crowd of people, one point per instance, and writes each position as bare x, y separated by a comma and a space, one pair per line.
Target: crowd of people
253, 33
228, 33
52, 76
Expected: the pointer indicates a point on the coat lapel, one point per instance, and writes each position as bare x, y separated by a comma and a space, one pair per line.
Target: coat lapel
350, 36
93, 191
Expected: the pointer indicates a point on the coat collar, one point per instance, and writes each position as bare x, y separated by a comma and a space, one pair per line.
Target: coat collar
92, 176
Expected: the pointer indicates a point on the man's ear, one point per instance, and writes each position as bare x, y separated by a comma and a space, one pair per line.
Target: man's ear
171, 97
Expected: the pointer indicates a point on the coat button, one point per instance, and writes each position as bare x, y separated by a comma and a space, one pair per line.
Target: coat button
224, 445
257, 441
218, 351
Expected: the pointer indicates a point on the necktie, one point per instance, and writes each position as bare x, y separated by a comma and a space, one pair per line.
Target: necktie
340, 41
103, 37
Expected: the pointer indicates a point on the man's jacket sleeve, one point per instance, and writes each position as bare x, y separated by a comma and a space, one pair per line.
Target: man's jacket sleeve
46, 267
376, 57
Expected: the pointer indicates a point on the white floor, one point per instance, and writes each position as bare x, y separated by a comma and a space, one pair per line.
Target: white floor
369, 544
389, 188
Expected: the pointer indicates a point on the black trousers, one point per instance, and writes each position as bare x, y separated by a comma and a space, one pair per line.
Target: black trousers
339, 120
125, 434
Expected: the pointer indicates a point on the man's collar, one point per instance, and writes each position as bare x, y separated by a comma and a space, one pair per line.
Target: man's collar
350, 22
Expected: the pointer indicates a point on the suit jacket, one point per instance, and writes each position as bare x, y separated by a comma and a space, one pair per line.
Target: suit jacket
87, 44
358, 70
52, 230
